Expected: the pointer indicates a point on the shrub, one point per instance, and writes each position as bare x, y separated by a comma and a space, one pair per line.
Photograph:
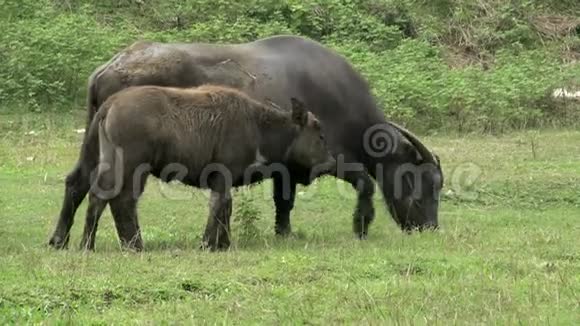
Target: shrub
503, 67
247, 215
414, 85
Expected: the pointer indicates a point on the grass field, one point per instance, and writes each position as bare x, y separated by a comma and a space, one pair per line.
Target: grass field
508, 251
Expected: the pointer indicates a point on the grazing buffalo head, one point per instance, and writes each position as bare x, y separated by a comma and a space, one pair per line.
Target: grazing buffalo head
417, 182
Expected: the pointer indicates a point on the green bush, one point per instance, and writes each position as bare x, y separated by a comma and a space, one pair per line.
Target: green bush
415, 85
46, 61
247, 215
48, 48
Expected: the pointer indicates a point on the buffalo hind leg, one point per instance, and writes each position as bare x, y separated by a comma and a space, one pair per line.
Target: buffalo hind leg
77, 185
94, 212
124, 210
216, 235
284, 196
124, 205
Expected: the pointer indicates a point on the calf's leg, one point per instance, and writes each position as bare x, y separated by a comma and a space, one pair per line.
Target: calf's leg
124, 209
105, 188
94, 212
216, 235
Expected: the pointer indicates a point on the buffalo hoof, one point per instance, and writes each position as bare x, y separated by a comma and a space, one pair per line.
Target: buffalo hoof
212, 246
283, 231
409, 229
361, 233
362, 236
133, 249
362, 218
84, 246
132, 246
58, 242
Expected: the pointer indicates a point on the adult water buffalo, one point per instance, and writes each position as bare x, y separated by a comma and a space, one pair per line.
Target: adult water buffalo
273, 70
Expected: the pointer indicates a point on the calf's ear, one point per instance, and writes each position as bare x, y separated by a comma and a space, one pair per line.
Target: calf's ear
299, 112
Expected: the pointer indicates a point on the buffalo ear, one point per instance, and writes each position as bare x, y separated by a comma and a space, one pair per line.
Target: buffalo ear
299, 112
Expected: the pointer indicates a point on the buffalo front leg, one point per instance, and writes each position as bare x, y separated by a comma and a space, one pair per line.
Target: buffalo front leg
363, 184
216, 235
364, 212
284, 196
77, 185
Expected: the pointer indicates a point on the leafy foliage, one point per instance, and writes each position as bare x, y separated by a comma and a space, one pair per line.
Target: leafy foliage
483, 65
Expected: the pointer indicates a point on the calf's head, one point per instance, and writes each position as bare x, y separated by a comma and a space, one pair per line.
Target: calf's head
309, 149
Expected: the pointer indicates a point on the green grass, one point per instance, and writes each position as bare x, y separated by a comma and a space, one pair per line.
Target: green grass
508, 251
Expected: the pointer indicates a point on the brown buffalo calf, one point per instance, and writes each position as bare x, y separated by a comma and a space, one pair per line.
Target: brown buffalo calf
210, 137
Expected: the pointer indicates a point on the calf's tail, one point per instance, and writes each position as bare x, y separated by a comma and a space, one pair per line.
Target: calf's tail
109, 179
